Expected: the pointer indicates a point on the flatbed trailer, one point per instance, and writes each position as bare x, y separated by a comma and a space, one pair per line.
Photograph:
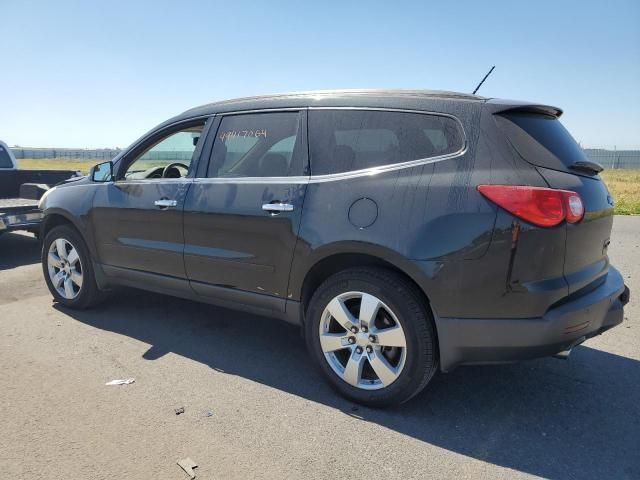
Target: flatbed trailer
20, 191
19, 214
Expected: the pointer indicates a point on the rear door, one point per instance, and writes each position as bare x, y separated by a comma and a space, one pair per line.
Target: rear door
137, 218
542, 140
241, 216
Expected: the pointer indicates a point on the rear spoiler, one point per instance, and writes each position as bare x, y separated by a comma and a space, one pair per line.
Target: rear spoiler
504, 106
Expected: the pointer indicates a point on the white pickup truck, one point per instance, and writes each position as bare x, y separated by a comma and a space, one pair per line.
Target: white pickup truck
20, 191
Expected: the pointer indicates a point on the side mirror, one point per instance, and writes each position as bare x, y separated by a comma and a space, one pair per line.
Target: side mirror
103, 172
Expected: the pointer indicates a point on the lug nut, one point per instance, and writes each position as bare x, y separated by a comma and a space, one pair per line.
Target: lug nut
364, 329
354, 329
359, 349
369, 349
352, 340
372, 338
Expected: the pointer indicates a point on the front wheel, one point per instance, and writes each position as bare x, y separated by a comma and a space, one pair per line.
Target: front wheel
372, 335
68, 270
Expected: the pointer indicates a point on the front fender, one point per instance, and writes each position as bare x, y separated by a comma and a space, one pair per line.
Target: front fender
71, 203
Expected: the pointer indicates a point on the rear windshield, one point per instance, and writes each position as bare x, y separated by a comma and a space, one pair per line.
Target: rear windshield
541, 140
5, 159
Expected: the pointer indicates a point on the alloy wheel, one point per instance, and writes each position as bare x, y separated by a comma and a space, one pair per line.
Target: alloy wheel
65, 268
362, 340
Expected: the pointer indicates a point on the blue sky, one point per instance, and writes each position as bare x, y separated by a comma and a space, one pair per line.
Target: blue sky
99, 74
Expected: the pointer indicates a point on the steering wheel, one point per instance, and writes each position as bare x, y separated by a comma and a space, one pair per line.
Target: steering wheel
174, 165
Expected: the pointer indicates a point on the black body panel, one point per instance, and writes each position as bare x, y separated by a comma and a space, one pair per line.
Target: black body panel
11, 180
498, 287
497, 340
230, 241
19, 194
132, 232
587, 241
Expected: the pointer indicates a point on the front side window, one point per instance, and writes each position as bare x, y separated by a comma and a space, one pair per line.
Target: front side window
258, 145
349, 140
169, 157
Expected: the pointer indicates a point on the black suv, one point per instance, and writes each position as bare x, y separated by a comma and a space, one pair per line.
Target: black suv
405, 231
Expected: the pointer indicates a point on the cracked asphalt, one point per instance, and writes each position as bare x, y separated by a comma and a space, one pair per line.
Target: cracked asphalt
255, 406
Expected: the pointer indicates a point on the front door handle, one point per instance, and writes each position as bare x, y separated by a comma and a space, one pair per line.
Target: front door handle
277, 207
165, 203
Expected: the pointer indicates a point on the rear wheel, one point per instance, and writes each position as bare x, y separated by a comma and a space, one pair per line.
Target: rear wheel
67, 268
372, 334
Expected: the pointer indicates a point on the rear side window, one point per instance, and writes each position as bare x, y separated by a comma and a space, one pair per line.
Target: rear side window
348, 140
541, 139
5, 159
258, 145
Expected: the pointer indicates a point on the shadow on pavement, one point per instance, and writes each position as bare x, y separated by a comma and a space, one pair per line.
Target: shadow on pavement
555, 419
18, 249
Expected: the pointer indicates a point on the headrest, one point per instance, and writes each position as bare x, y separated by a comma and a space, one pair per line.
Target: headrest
344, 157
273, 165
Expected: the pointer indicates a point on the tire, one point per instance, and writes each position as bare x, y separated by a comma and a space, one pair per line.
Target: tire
82, 291
408, 369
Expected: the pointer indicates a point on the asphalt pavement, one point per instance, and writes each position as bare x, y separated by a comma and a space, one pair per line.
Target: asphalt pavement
255, 406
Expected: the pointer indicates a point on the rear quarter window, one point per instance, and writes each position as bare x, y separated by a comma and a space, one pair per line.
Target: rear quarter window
350, 140
541, 140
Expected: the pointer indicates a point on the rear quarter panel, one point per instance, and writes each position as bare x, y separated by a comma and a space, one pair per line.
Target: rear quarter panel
430, 213
431, 222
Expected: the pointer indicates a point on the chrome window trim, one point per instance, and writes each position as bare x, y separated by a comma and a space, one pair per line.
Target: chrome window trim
287, 180
387, 168
262, 110
333, 176
313, 178
342, 175
147, 181
391, 109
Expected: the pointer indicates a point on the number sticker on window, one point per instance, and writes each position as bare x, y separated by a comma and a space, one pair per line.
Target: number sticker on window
260, 132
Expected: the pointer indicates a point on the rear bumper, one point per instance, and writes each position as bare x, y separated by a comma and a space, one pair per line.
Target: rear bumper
465, 341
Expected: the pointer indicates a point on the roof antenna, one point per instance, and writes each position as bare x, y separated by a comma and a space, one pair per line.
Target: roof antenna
482, 81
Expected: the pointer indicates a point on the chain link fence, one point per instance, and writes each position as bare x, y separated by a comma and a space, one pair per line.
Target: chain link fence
610, 159
613, 159
98, 155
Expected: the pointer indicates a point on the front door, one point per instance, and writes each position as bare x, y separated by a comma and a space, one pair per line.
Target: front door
137, 218
242, 216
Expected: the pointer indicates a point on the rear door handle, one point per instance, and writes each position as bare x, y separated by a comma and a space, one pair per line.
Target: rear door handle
165, 203
277, 207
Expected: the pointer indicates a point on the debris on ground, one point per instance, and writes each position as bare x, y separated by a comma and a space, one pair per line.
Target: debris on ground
188, 465
124, 381
179, 410
208, 414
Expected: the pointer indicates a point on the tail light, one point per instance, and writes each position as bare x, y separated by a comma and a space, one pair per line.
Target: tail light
574, 206
544, 207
